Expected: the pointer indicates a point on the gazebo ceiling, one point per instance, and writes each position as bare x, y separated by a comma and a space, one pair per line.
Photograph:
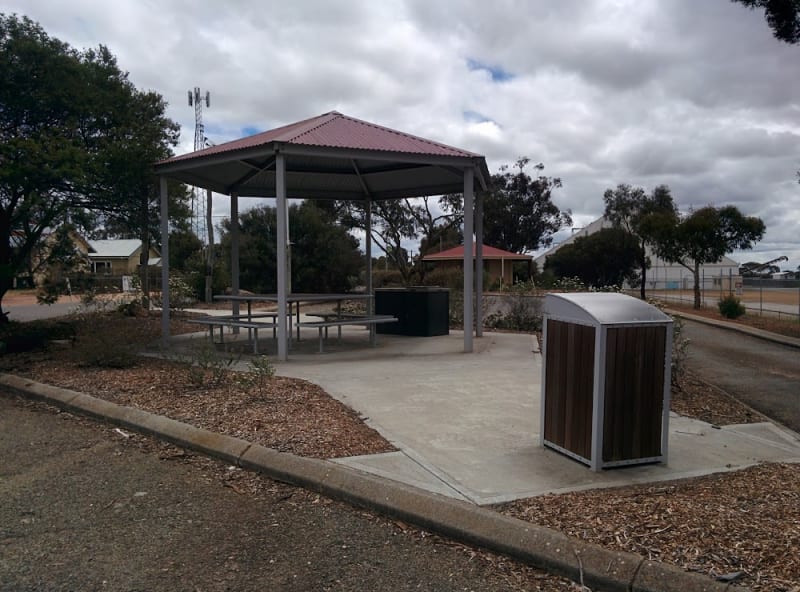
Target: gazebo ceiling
331, 156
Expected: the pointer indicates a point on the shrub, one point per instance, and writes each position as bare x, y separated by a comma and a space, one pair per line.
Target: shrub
731, 307
111, 339
202, 365
259, 372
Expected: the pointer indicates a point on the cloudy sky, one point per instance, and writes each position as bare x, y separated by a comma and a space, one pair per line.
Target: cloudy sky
696, 94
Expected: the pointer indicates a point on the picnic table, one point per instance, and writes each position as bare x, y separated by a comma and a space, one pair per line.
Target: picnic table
334, 319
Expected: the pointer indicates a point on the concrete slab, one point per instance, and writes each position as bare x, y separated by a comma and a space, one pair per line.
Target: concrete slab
467, 425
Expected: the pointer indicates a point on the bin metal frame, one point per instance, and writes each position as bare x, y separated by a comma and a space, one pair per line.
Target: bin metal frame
604, 311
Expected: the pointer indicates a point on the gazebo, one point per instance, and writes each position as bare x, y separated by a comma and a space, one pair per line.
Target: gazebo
332, 156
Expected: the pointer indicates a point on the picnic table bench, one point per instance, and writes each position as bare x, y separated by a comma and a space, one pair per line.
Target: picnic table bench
248, 322
340, 320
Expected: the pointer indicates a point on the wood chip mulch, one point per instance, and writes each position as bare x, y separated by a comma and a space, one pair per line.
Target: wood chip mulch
286, 414
744, 525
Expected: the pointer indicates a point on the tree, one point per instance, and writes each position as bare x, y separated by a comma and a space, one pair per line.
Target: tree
518, 212
76, 139
705, 236
631, 209
783, 17
608, 257
324, 257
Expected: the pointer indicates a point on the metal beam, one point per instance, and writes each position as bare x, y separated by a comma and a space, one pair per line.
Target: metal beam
235, 254
283, 236
468, 261
162, 181
255, 171
479, 264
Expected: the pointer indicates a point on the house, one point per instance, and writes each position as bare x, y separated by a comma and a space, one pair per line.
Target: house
119, 256
498, 264
662, 275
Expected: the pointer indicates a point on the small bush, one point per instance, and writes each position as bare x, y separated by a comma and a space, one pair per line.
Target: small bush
203, 366
259, 372
731, 307
111, 339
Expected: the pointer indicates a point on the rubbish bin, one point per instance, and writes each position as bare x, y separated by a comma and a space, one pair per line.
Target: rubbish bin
422, 311
605, 379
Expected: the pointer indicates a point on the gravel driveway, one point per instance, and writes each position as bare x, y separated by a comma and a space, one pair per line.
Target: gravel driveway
86, 507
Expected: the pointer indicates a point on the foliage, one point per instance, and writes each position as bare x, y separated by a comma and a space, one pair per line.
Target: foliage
518, 212
395, 222
632, 210
783, 17
608, 257
730, 307
324, 257
680, 351
77, 140
33, 335
386, 279
705, 236
110, 339
523, 312
260, 372
202, 365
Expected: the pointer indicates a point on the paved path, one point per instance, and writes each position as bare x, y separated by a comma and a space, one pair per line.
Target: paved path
764, 375
84, 508
467, 425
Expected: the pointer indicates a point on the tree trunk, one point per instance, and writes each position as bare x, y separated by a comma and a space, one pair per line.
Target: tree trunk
643, 264
696, 273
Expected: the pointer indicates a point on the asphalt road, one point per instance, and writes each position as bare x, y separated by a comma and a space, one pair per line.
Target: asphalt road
85, 507
761, 374
31, 312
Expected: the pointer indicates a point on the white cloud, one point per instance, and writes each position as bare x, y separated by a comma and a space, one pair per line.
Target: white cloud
697, 95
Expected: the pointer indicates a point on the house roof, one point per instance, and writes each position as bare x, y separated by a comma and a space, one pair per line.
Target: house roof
113, 248
331, 156
488, 253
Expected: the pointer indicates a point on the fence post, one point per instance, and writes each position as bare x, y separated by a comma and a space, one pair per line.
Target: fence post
760, 298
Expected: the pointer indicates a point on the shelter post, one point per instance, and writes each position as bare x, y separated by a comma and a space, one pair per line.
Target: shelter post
210, 253
479, 264
164, 261
368, 247
283, 235
468, 259
235, 255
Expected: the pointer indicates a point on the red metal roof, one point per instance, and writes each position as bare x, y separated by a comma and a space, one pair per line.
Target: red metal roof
334, 130
488, 253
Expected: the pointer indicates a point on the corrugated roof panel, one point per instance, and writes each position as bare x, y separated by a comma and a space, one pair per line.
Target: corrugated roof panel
335, 130
114, 248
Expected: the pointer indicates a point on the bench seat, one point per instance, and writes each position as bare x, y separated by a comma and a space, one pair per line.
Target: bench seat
349, 319
239, 322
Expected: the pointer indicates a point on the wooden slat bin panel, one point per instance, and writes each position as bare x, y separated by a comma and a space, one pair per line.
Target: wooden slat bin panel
634, 392
569, 380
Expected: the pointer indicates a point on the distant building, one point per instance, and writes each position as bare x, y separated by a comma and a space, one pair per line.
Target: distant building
497, 263
662, 275
119, 256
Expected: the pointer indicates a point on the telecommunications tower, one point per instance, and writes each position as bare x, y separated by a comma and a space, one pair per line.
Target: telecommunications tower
199, 224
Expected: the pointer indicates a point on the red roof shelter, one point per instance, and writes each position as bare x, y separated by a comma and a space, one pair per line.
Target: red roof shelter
331, 156
498, 264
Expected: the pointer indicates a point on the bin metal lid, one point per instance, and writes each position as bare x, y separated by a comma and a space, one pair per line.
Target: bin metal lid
603, 308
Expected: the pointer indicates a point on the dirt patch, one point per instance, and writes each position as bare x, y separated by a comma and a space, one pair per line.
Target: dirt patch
785, 327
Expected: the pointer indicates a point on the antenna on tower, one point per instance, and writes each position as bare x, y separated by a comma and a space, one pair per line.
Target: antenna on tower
201, 204
196, 100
